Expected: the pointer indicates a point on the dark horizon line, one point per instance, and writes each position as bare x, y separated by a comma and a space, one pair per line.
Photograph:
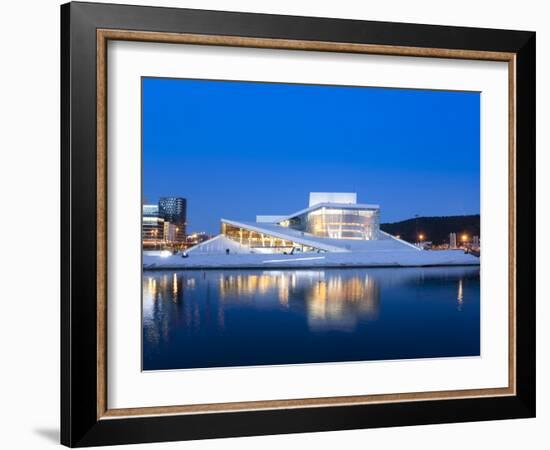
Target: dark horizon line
432, 217
402, 221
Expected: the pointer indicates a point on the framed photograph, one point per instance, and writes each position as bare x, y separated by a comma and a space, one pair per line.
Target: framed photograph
276, 224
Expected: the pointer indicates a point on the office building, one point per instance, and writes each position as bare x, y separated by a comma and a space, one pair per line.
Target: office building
152, 227
174, 210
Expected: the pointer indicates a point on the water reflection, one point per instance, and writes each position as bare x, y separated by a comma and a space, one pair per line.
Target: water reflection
330, 301
460, 297
191, 317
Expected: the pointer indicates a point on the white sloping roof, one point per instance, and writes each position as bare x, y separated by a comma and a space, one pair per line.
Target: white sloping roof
218, 244
384, 235
269, 218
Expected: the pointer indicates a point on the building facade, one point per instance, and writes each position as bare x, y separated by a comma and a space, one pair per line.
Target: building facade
337, 221
152, 227
174, 210
169, 234
333, 222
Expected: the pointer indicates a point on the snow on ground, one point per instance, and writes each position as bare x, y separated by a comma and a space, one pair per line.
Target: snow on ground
381, 258
221, 252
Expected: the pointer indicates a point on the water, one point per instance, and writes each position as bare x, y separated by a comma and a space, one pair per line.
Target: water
220, 318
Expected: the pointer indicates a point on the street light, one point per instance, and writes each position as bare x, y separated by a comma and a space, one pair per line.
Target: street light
464, 238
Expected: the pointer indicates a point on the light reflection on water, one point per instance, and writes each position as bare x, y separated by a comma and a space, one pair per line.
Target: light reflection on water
253, 317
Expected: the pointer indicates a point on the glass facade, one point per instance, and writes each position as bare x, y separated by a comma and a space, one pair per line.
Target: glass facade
151, 210
335, 223
255, 239
328, 220
338, 223
174, 210
152, 231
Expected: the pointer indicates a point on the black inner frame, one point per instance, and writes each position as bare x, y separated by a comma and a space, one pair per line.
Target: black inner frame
79, 423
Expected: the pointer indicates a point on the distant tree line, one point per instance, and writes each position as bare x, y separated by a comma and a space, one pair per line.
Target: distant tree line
434, 229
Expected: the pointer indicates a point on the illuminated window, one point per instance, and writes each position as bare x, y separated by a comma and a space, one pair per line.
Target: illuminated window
339, 223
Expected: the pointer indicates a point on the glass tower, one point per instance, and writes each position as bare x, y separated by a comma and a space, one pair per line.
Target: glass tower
174, 210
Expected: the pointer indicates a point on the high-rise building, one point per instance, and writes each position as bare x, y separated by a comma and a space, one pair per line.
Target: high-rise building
174, 210
152, 226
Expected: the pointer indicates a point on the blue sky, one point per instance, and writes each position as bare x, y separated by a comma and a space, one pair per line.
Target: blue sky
237, 149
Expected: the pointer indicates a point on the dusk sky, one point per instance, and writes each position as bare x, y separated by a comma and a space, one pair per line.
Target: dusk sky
238, 149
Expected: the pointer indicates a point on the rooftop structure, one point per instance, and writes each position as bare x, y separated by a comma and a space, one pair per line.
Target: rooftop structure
332, 197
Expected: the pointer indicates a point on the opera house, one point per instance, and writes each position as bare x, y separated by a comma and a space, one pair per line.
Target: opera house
333, 222
333, 231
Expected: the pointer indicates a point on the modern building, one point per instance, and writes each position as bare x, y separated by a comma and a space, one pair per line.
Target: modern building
169, 234
333, 222
174, 210
152, 227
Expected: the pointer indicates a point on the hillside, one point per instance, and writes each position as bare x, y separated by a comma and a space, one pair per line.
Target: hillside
434, 229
